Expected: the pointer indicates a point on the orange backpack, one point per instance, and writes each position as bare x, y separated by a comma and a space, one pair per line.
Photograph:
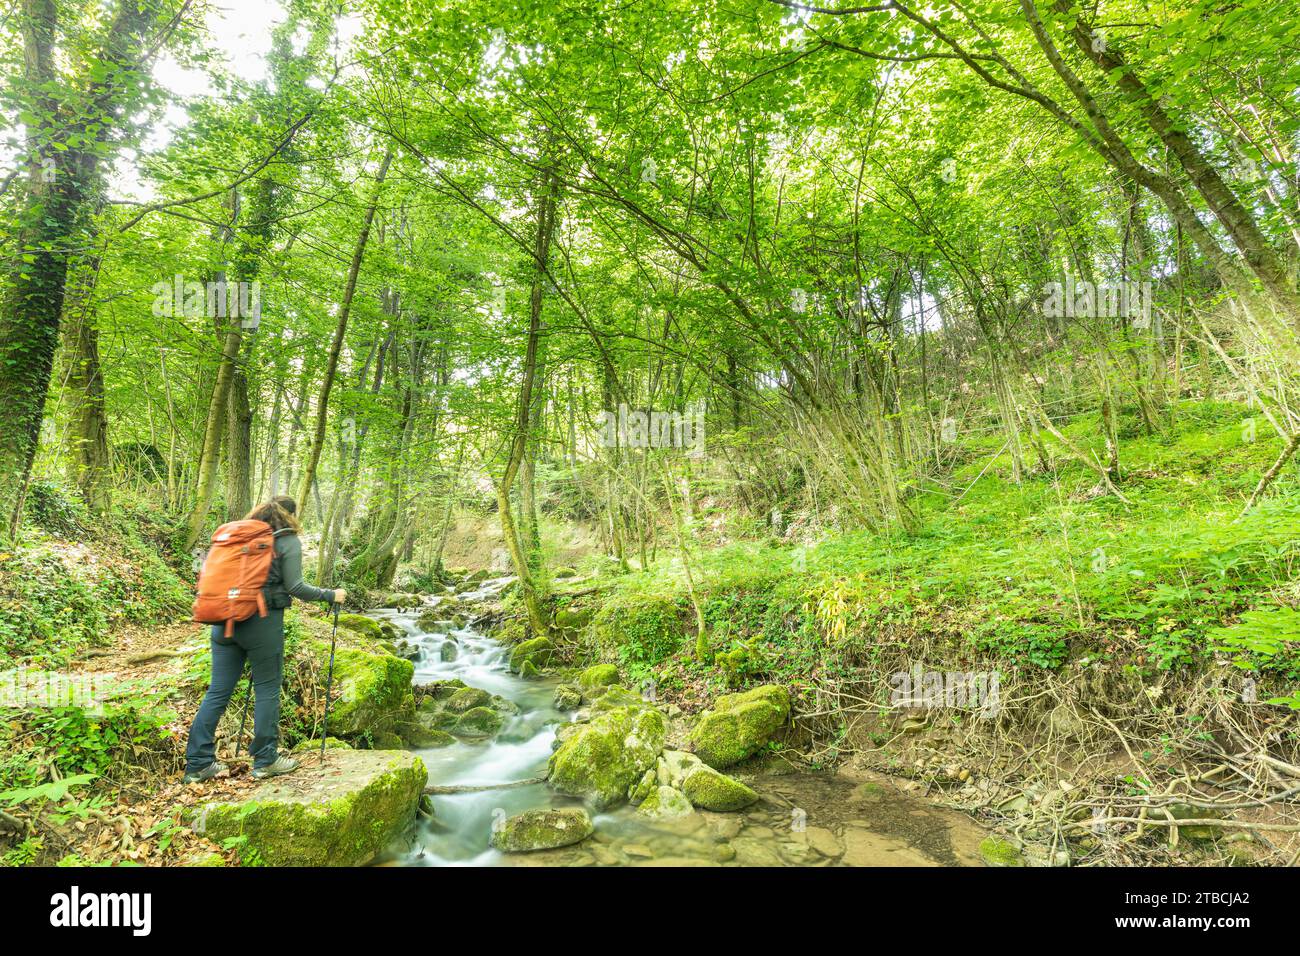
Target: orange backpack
234, 573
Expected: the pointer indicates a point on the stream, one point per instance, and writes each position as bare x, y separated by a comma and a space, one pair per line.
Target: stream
804, 818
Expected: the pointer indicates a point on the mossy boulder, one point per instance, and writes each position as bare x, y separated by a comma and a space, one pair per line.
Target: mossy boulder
639, 791
571, 618
372, 692
613, 697
467, 698
438, 690
343, 813
740, 725
710, 790
598, 676
478, 722
513, 630
539, 651
998, 852
422, 734
652, 624
567, 697
453, 707
365, 626
331, 743
542, 830
665, 803
562, 574
675, 766
599, 760
406, 650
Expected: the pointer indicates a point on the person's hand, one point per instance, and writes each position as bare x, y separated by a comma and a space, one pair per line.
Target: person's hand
340, 595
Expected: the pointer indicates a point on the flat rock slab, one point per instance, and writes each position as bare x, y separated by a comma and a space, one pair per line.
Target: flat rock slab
342, 813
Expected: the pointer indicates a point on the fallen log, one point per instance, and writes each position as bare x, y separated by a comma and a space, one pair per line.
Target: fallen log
436, 789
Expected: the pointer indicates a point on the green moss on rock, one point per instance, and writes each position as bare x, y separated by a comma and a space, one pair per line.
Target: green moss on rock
539, 652
360, 624
372, 692
598, 675
639, 791
542, 830
615, 696
478, 722
601, 759
665, 803
567, 697
572, 618
343, 814
439, 690
512, 630
467, 698
740, 725
710, 790
998, 852
331, 743
421, 733
432, 622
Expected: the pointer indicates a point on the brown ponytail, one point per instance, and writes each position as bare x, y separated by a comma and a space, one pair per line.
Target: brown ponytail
278, 513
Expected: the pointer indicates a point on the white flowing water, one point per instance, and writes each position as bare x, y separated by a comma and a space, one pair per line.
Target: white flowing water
463, 822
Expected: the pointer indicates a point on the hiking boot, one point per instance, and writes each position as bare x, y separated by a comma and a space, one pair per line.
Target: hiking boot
281, 765
204, 775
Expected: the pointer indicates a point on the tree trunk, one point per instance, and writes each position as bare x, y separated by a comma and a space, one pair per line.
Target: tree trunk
239, 445
84, 384
210, 455
336, 347
524, 405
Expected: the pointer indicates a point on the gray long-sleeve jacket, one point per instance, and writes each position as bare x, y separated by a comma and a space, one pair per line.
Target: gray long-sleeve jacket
284, 581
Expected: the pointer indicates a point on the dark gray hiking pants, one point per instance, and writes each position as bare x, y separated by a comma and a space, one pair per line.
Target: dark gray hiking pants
260, 641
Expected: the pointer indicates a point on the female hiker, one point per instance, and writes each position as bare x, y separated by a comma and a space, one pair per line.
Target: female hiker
260, 641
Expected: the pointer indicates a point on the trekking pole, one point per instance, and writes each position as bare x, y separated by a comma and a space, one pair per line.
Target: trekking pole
239, 741
329, 684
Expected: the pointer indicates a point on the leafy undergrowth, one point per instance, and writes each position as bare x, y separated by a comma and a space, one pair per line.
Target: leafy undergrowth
1030, 576
98, 783
74, 582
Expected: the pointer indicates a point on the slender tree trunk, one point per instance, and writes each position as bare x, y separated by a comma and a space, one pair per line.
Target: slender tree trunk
336, 347
239, 445
210, 455
524, 404
84, 384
